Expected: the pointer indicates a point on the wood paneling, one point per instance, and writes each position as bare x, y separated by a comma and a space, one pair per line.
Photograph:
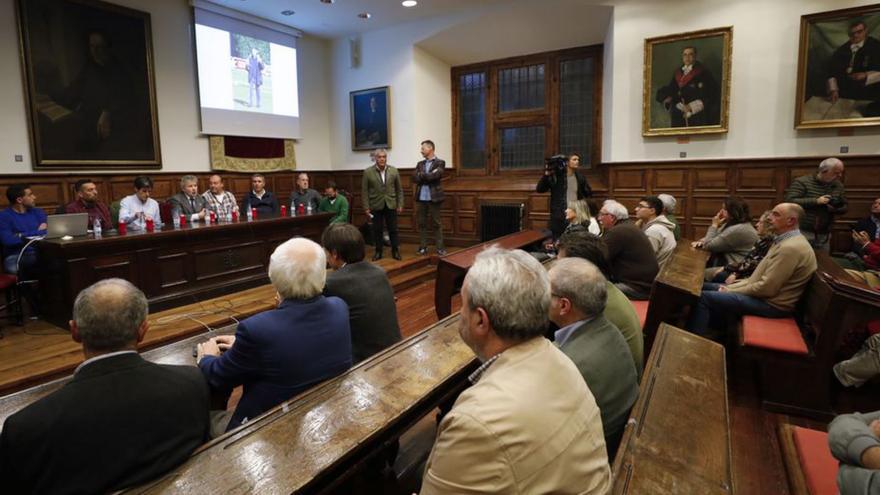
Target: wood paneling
711, 178
670, 180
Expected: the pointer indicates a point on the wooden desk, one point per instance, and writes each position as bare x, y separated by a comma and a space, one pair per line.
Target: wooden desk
677, 285
173, 266
317, 439
177, 353
678, 436
452, 268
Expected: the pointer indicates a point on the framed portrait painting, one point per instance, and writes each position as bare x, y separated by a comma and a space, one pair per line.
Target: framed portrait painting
839, 69
370, 114
686, 88
88, 69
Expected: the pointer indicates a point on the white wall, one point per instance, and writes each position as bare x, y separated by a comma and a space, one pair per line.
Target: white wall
183, 147
764, 78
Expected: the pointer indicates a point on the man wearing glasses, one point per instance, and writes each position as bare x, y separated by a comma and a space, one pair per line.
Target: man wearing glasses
855, 70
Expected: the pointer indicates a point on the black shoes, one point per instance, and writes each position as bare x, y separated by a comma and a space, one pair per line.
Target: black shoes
423, 251
396, 254
441, 252
377, 256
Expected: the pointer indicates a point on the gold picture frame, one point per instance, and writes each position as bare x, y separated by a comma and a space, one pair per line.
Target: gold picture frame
89, 85
827, 65
696, 102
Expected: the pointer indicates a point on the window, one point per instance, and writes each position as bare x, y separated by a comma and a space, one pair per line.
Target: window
510, 114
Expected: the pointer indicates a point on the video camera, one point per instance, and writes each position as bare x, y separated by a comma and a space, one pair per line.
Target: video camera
555, 162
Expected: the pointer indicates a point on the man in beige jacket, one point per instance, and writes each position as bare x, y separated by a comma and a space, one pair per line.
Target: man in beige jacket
774, 287
528, 424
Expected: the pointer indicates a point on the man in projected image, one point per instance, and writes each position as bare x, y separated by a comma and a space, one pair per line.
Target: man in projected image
255, 68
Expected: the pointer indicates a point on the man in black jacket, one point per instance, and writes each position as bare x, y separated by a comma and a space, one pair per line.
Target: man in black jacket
258, 197
120, 421
565, 184
364, 287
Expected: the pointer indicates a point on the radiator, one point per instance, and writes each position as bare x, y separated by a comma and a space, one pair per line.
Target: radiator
497, 220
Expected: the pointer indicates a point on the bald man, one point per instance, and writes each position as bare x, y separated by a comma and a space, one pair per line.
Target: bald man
775, 286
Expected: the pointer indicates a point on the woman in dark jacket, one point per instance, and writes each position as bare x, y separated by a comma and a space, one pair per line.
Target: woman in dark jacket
565, 184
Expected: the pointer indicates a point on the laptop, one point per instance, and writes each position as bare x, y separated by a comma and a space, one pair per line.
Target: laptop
72, 224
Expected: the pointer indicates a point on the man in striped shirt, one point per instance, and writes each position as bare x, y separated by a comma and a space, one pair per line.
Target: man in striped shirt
822, 196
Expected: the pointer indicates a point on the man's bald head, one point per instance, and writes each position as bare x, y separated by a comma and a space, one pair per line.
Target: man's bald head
109, 314
786, 217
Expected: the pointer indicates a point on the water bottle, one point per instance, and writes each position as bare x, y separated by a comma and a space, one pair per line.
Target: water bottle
309, 209
96, 228
175, 218
292, 209
250, 215
229, 216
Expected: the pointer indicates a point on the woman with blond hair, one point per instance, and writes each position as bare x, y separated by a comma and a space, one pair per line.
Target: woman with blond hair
578, 217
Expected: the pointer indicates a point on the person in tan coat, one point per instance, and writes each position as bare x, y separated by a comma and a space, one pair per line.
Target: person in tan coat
528, 424
774, 287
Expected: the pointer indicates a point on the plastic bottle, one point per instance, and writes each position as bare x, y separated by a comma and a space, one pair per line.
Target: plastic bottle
292, 209
96, 228
250, 215
309, 209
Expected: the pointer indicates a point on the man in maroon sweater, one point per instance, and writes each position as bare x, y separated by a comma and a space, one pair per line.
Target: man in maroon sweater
87, 202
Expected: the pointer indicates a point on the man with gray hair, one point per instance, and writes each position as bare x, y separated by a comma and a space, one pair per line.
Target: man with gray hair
633, 263
593, 343
822, 196
120, 421
188, 201
304, 195
279, 353
528, 424
774, 287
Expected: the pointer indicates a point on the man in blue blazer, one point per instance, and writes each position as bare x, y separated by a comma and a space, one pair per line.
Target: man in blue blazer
277, 354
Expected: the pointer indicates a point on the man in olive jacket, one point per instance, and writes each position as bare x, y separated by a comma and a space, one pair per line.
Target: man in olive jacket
383, 201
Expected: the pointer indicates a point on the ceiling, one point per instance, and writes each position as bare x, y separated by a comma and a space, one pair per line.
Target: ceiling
340, 18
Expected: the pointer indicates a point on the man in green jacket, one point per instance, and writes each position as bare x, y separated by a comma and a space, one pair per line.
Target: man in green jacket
822, 196
334, 203
382, 194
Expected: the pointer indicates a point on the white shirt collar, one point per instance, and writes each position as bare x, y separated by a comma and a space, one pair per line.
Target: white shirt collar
100, 357
858, 46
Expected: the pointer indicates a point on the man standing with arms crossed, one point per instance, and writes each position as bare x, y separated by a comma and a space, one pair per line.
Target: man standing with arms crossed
429, 196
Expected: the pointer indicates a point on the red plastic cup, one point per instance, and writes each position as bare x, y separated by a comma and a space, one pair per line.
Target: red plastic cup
182, 220
301, 209
150, 225
213, 217
121, 228
234, 216
283, 210
254, 213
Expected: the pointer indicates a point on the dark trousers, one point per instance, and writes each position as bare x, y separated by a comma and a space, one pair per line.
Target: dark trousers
381, 218
423, 208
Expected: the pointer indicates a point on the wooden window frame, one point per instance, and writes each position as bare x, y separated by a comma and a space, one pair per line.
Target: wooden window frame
547, 116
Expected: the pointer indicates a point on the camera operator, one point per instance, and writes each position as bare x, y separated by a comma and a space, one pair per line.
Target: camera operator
565, 183
822, 196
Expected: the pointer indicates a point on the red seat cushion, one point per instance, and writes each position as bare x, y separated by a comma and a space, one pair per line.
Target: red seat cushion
819, 466
7, 281
778, 334
641, 308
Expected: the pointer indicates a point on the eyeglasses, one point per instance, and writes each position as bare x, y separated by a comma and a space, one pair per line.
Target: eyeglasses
642, 206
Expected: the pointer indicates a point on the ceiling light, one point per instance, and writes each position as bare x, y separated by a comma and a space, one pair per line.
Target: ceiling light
365, 15
327, 1
287, 12
409, 3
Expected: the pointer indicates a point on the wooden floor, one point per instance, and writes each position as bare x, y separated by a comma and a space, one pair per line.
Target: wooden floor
40, 351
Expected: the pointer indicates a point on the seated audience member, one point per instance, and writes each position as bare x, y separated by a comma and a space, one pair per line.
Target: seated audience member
869, 249
577, 216
137, 208
528, 424
87, 202
731, 235
870, 225
618, 309
303, 195
335, 203
593, 343
774, 287
364, 287
864, 364
854, 442
654, 224
218, 199
18, 222
669, 203
120, 421
732, 272
630, 254
279, 353
188, 201
258, 197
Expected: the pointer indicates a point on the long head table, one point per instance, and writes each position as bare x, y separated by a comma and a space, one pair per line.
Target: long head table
172, 266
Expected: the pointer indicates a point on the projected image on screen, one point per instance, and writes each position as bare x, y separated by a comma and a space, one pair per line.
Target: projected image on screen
251, 73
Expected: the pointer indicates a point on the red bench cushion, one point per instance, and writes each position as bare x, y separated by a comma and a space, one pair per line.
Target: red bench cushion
641, 310
778, 334
819, 466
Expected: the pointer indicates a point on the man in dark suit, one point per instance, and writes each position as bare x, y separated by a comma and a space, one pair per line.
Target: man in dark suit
429, 196
692, 95
854, 69
188, 201
382, 194
280, 353
120, 421
364, 287
258, 197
